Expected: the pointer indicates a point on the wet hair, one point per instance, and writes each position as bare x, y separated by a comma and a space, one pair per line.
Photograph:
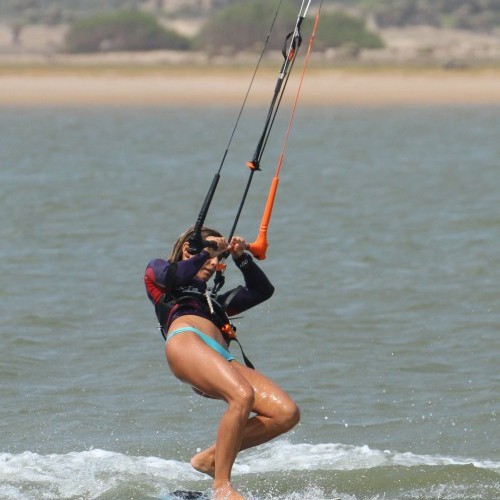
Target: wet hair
176, 254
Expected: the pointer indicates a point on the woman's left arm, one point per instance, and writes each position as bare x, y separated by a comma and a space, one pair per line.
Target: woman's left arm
257, 287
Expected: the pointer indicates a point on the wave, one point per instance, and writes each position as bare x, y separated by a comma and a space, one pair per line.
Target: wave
279, 471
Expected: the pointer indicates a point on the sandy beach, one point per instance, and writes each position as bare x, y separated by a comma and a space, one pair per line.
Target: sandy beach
321, 88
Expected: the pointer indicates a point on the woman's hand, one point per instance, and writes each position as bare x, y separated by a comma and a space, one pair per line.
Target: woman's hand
237, 246
220, 246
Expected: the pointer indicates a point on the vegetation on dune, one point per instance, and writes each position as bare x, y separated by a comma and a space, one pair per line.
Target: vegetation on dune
338, 28
128, 30
478, 15
240, 27
233, 25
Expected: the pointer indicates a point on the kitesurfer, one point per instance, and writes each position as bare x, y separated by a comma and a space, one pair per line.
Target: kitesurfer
197, 330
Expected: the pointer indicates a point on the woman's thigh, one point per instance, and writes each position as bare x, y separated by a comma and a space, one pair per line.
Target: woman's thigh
194, 362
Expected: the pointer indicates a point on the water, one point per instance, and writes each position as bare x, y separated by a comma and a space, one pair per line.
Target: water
384, 249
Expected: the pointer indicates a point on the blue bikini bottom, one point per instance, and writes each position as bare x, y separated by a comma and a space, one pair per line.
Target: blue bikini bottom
208, 340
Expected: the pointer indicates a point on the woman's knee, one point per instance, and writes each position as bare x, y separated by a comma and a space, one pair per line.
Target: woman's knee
243, 397
289, 416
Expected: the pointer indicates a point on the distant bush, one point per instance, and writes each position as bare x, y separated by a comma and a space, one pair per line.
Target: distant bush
128, 30
337, 29
245, 25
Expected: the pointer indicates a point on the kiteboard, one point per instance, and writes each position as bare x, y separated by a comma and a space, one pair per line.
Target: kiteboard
188, 494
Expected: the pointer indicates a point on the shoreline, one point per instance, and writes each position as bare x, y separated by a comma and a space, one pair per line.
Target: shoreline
129, 86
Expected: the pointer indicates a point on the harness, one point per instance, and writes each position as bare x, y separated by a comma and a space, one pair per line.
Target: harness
172, 300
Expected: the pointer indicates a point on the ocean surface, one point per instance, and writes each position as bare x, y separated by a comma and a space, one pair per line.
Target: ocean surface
385, 324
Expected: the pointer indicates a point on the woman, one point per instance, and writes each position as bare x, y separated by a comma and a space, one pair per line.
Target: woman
197, 331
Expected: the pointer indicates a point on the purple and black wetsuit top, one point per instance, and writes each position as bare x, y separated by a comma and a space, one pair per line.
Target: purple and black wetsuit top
166, 289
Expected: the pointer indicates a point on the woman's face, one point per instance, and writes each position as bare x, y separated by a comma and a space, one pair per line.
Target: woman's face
209, 267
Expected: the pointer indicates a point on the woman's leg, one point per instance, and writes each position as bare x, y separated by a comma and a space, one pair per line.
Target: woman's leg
193, 362
276, 413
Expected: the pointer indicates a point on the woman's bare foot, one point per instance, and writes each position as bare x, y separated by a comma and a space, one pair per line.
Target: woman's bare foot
225, 491
205, 462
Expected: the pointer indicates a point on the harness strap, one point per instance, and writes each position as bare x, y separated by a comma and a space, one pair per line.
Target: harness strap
245, 359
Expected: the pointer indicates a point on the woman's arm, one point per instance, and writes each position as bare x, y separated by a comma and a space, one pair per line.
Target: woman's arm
162, 275
257, 287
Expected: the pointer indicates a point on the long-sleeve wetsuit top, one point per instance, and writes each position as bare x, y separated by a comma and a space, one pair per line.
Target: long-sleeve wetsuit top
162, 286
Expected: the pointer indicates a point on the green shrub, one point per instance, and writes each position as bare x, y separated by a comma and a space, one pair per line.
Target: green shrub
338, 28
245, 25
128, 30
